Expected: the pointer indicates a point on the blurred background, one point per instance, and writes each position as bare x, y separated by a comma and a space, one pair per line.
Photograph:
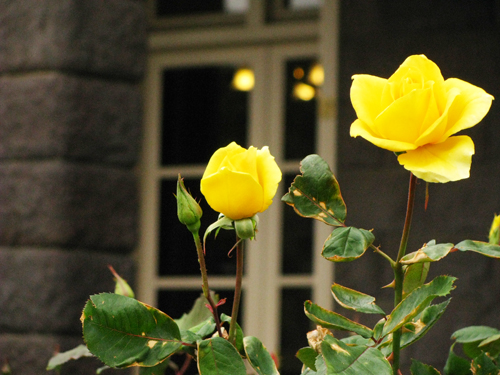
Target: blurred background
103, 104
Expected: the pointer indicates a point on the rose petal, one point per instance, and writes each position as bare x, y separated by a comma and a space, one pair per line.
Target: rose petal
441, 162
245, 162
237, 195
402, 120
219, 156
269, 175
427, 68
468, 108
359, 128
366, 94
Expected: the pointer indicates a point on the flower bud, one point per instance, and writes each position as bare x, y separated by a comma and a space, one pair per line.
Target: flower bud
188, 210
246, 228
494, 237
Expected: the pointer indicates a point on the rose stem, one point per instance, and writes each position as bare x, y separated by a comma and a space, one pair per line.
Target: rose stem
237, 290
204, 277
398, 270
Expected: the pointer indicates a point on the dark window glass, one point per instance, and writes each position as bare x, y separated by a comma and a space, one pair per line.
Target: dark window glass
300, 110
294, 328
201, 113
187, 7
297, 239
177, 251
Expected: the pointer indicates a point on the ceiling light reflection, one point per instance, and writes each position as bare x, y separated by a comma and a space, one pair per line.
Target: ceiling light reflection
303, 91
243, 79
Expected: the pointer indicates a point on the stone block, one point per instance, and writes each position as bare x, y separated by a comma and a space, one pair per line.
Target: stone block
48, 115
29, 355
45, 290
55, 203
92, 36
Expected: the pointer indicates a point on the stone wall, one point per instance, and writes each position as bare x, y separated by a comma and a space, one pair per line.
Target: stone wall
463, 38
70, 116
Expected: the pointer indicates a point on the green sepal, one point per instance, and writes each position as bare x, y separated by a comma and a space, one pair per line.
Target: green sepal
428, 253
346, 244
316, 193
344, 359
223, 222
485, 248
246, 228
218, 356
419, 368
332, 320
258, 356
59, 359
123, 332
308, 357
354, 300
417, 301
456, 365
189, 211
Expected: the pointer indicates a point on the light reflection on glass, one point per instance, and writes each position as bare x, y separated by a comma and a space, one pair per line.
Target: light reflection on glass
244, 79
303, 91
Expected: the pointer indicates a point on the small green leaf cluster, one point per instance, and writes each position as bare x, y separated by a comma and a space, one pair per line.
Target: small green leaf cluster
316, 194
481, 345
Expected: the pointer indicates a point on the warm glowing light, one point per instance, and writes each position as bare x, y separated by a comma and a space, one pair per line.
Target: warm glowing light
298, 73
316, 75
304, 91
244, 79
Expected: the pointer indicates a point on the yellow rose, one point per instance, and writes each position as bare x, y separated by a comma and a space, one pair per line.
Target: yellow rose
240, 183
415, 112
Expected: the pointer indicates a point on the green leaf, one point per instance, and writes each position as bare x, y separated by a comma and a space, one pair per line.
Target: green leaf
239, 333
431, 253
122, 331
456, 365
417, 301
259, 357
331, 320
159, 369
308, 357
483, 365
415, 275
61, 358
216, 356
492, 251
198, 314
474, 333
423, 322
316, 194
491, 345
343, 359
357, 340
346, 244
419, 368
354, 300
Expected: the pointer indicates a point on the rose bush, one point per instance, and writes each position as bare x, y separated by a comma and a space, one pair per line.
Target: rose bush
240, 183
415, 112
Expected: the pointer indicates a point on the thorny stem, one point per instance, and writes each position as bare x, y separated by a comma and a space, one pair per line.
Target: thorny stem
237, 291
398, 271
204, 277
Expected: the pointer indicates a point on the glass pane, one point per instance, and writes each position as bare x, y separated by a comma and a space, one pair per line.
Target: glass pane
177, 251
195, 7
300, 111
294, 328
302, 4
297, 239
201, 113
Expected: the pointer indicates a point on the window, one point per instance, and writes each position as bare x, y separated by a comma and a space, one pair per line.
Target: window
192, 107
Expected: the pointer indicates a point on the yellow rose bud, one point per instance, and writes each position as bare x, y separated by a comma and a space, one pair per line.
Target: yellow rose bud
415, 112
494, 237
240, 183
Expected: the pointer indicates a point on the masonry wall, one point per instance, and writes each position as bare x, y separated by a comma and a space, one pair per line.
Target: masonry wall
70, 116
463, 38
